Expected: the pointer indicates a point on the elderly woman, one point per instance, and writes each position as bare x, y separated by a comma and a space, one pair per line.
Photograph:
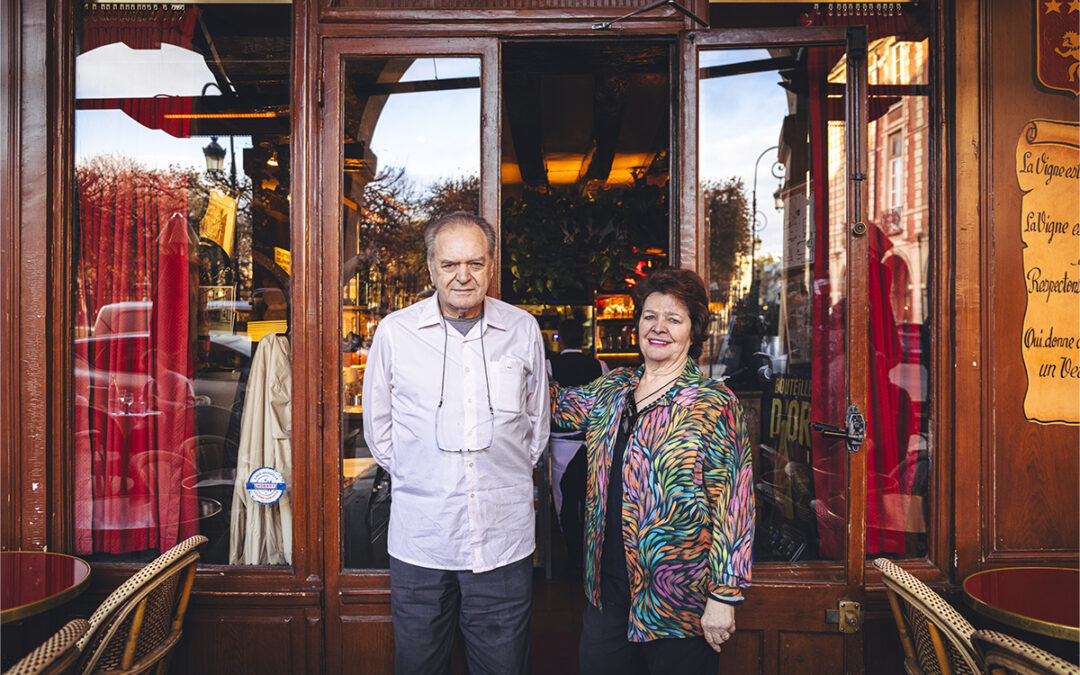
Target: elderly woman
669, 510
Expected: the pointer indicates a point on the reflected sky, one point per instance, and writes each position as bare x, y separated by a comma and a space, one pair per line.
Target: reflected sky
740, 117
434, 134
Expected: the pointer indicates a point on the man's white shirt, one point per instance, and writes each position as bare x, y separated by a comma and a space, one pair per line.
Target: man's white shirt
458, 510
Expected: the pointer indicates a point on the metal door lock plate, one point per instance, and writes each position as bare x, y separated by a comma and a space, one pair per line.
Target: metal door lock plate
847, 616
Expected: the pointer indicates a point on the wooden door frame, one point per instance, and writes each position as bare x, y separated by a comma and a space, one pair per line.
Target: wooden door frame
691, 238
364, 595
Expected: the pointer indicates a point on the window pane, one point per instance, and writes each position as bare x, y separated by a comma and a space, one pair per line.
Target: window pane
772, 137
182, 242
898, 147
411, 130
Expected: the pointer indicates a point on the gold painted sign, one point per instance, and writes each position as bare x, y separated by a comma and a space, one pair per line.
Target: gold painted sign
219, 222
1048, 171
283, 258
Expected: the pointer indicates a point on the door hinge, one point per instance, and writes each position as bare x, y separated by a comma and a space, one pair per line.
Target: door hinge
848, 616
319, 92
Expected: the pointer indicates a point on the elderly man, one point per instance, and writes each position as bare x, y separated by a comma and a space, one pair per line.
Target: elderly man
456, 410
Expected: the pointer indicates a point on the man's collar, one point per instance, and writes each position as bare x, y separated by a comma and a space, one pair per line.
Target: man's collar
430, 314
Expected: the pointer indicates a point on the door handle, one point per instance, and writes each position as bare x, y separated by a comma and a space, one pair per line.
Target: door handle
853, 433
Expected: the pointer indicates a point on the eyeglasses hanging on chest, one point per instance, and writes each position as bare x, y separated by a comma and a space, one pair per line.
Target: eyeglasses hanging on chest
477, 432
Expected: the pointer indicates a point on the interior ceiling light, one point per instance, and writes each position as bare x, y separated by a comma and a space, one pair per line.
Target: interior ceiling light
272, 160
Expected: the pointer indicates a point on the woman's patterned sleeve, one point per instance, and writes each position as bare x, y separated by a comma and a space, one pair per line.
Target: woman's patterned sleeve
728, 482
570, 406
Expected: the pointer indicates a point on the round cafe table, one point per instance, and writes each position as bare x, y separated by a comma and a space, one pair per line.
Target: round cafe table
1043, 600
32, 582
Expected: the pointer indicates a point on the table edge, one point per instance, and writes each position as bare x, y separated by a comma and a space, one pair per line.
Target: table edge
45, 604
1047, 628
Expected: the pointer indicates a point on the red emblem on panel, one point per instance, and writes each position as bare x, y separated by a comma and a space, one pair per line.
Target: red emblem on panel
1058, 47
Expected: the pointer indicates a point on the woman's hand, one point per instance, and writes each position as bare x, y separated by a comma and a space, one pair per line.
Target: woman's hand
718, 622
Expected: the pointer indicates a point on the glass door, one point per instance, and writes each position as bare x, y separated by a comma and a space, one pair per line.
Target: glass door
772, 205
406, 125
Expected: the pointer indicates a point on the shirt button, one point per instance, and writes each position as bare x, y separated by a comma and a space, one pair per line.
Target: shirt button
472, 496
467, 370
470, 465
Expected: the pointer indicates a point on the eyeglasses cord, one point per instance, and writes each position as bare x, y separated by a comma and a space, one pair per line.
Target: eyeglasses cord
483, 357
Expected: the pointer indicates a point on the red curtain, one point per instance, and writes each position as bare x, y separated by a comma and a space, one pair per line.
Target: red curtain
134, 400
892, 417
149, 112
138, 28
142, 28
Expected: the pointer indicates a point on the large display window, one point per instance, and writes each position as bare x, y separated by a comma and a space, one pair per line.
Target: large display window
182, 266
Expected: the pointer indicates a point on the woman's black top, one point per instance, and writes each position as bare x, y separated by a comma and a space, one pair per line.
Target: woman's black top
613, 554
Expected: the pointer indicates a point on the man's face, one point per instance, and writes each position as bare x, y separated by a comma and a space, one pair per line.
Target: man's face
461, 269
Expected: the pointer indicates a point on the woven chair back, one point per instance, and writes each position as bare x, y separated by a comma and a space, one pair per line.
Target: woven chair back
1004, 654
938, 639
136, 627
55, 656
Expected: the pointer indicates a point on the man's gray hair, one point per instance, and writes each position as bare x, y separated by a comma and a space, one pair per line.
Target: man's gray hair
455, 219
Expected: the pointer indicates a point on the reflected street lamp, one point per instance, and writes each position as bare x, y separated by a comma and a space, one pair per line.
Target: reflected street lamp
777, 171
215, 155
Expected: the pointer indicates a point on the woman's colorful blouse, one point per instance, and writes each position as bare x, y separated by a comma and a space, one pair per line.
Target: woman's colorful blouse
688, 509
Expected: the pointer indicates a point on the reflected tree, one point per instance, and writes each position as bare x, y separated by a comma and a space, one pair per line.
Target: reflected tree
727, 214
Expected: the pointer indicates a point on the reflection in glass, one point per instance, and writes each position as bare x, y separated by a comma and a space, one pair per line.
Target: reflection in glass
898, 463
776, 279
411, 151
181, 268
777, 286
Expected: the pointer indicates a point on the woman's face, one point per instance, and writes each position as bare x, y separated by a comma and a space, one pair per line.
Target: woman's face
664, 330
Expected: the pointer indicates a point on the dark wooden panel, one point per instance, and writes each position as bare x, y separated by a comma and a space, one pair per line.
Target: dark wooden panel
10, 93
743, 653
232, 633
1032, 494
237, 641
369, 641
26, 242
811, 653
882, 651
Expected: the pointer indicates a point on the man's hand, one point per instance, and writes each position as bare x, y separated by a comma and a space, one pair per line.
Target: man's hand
718, 622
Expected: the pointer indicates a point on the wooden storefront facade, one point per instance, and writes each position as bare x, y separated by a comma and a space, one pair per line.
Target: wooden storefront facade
1006, 489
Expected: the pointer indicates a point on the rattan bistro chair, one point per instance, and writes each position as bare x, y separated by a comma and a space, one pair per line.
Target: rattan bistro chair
1005, 655
137, 626
942, 638
55, 656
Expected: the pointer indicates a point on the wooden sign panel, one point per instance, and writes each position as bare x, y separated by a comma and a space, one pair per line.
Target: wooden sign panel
1048, 171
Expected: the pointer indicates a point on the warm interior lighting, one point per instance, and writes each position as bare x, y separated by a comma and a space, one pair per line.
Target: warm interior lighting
625, 165
272, 160
219, 116
511, 173
563, 168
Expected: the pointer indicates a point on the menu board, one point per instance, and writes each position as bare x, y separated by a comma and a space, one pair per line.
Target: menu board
1048, 171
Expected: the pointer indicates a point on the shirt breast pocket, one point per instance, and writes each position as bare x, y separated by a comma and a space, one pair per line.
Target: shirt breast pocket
507, 385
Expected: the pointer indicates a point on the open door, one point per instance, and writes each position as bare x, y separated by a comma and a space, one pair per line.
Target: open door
771, 203
410, 128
